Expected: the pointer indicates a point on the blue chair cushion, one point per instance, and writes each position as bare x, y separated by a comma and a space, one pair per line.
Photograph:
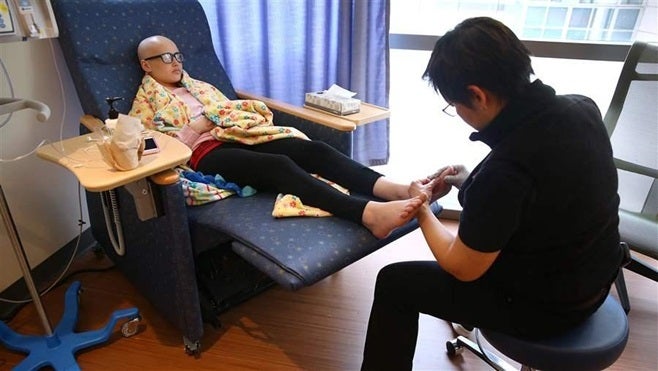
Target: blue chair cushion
295, 252
593, 345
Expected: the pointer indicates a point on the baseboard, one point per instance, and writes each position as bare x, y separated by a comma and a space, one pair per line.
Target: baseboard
43, 274
451, 214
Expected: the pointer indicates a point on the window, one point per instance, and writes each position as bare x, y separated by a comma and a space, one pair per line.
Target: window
578, 23
600, 21
576, 48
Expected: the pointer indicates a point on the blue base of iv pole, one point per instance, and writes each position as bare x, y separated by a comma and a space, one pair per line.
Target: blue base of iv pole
58, 350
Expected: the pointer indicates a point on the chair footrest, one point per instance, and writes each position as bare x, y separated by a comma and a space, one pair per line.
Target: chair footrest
295, 252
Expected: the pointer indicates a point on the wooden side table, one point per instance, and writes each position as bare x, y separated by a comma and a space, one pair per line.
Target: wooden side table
83, 158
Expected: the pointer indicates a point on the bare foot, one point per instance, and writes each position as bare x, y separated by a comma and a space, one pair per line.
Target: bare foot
381, 218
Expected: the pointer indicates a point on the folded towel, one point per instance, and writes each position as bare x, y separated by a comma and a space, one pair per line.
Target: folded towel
199, 189
289, 205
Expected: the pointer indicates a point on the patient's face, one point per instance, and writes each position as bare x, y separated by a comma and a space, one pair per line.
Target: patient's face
167, 74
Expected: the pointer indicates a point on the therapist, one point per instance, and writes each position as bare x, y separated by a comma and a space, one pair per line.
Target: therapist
537, 247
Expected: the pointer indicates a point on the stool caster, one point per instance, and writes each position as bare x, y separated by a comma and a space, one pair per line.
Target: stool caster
456, 347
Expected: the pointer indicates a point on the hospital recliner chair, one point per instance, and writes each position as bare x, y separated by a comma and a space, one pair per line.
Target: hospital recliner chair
99, 40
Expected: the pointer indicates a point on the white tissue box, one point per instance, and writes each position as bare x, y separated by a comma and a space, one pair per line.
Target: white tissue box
331, 103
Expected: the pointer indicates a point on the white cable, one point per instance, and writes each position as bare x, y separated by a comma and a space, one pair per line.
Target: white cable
25, 155
119, 247
68, 265
11, 90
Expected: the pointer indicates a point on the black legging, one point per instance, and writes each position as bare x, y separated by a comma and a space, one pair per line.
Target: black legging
285, 165
406, 289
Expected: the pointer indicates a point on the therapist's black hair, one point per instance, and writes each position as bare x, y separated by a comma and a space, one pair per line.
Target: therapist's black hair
479, 51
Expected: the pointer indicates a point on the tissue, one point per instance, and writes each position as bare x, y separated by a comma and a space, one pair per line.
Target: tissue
124, 148
336, 100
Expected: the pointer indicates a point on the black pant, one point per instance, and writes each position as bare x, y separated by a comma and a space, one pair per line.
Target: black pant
406, 289
285, 165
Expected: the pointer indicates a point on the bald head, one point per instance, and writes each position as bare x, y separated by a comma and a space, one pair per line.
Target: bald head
154, 45
167, 73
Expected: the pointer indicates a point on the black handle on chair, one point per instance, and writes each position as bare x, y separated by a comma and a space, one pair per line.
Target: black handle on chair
627, 254
620, 283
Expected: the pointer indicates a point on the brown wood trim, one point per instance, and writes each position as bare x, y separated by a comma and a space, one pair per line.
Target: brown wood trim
166, 177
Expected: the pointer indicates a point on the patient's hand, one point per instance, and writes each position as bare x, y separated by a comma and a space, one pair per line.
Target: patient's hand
201, 124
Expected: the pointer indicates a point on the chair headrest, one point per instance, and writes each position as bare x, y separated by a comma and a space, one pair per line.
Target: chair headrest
99, 41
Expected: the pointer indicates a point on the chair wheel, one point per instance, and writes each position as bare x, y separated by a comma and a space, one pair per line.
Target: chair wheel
453, 348
130, 328
99, 253
192, 348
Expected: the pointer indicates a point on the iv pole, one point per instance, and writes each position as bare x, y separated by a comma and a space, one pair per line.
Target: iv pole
22, 260
8, 106
58, 347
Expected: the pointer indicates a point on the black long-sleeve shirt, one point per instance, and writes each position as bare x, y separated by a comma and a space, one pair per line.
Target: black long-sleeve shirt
546, 197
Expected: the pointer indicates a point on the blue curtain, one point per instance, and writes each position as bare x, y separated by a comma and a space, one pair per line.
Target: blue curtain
284, 48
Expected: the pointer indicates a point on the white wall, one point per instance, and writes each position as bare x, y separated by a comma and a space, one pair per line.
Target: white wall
648, 28
42, 196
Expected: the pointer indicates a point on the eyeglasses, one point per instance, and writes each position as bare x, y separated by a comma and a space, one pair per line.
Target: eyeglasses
450, 110
168, 58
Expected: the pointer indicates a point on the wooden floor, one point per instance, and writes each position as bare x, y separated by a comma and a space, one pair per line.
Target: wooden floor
317, 328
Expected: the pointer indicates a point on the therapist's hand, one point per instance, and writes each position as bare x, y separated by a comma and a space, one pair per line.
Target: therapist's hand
458, 177
434, 186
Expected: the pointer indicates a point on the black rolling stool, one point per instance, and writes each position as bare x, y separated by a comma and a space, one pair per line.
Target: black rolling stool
593, 345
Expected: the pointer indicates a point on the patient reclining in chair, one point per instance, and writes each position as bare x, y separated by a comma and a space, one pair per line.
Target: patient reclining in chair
238, 140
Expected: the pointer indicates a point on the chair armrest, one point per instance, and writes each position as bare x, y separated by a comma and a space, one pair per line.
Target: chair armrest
635, 168
166, 177
315, 116
310, 122
91, 123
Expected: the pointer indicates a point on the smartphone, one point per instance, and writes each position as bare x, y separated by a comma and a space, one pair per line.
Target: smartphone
150, 146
